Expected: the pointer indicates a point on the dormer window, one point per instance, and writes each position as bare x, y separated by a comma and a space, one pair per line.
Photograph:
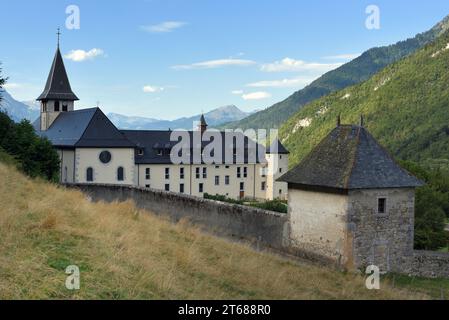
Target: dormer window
159, 152
140, 152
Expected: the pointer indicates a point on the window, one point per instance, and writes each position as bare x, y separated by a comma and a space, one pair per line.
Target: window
105, 157
227, 167
159, 152
263, 186
147, 186
242, 186
64, 108
167, 173
140, 152
197, 173
44, 106
263, 172
90, 174
167, 187
239, 172
56, 106
280, 157
245, 172
120, 174
147, 173
217, 180
280, 170
201, 188
204, 173
181, 188
382, 205
217, 167
227, 180
181, 173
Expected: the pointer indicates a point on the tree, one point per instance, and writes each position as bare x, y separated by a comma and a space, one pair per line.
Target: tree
2, 83
34, 155
432, 207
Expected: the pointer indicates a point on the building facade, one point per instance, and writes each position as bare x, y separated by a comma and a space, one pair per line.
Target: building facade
93, 150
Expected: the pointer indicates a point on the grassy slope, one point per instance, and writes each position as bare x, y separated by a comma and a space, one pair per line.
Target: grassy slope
408, 113
351, 73
127, 253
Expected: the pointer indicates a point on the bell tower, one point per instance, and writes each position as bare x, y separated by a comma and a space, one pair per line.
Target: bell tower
57, 96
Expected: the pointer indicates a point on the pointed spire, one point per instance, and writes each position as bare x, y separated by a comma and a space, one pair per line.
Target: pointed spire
58, 85
203, 124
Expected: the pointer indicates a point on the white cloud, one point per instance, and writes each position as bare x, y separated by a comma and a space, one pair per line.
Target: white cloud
211, 64
346, 56
152, 89
10, 86
283, 83
164, 27
256, 95
81, 55
289, 65
237, 92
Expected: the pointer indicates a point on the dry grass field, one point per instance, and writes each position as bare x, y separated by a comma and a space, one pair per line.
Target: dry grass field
126, 253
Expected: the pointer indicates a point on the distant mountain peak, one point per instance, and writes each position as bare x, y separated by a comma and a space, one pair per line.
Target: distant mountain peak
215, 117
354, 72
17, 110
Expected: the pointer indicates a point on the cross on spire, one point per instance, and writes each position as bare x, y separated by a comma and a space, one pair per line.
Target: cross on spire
58, 34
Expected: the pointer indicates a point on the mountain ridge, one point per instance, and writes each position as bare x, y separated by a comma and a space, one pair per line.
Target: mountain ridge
17, 110
215, 117
406, 107
356, 71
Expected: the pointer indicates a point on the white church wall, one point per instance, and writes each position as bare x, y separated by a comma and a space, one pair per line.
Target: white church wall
67, 158
318, 222
105, 173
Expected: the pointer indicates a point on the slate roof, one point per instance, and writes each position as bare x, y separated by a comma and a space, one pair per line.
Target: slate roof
151, 141
277, 148
203, 120
58, 85
86, 128
349, 158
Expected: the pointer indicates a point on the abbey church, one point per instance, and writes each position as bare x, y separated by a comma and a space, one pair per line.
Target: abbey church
93, 150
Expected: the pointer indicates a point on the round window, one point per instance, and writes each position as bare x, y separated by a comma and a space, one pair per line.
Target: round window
105, 157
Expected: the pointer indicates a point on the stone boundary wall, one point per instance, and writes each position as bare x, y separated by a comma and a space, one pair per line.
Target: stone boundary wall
260, 227
263, 228
430, 264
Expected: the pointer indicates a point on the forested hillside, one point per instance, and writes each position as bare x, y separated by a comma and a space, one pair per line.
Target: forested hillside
354, 72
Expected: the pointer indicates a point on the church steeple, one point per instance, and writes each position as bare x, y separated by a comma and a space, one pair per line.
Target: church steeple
57, 96
58, 85
203, 124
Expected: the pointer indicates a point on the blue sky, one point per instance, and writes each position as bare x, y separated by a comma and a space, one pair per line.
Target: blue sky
172, 58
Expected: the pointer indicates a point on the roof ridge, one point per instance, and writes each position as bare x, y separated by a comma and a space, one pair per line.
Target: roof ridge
357, 144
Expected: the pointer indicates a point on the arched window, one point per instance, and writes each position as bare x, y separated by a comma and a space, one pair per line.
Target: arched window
90, 174
120, 174
56, 106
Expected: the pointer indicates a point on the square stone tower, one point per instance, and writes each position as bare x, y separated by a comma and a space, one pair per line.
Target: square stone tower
350, 202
